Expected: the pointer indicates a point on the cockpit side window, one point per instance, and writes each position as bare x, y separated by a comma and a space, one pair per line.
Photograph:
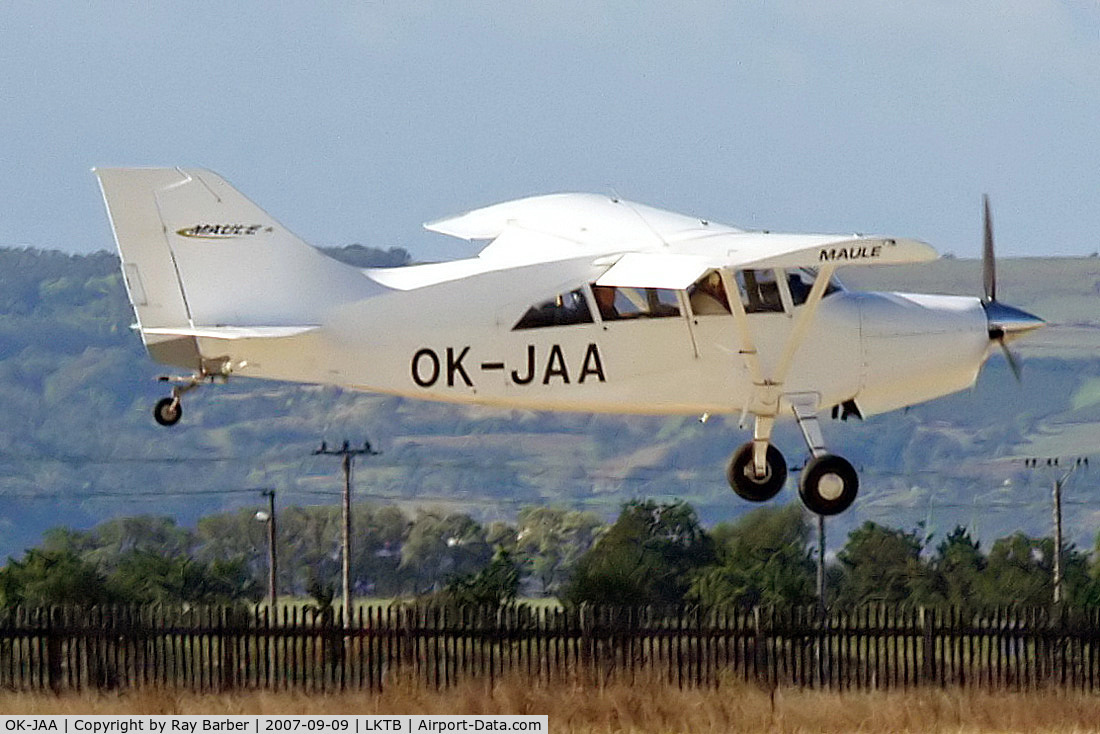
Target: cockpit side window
801, 280
759, 291
564, 309
707, 295
616, 303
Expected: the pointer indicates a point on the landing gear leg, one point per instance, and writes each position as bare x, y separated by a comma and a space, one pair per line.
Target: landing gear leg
828, 484
168, 411
757, 470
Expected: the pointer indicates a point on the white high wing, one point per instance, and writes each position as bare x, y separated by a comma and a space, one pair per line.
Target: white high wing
578, 302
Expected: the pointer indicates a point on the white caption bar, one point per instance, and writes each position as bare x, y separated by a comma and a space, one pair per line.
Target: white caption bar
406, 724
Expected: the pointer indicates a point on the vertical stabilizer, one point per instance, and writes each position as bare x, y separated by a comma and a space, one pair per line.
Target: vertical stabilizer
195, 252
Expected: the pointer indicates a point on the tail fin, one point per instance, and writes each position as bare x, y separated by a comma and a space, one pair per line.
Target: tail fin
196, 253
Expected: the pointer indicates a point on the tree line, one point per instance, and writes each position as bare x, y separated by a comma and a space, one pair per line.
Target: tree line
659, 554
653, 554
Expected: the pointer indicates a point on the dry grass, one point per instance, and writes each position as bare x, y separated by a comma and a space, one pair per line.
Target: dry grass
638, 708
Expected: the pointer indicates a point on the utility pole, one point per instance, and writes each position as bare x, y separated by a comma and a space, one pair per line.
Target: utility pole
1056, 494
272, 563
1058, 538
347, 455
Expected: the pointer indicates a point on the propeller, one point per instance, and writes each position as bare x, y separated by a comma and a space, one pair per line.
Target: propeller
1005, 322
989, 261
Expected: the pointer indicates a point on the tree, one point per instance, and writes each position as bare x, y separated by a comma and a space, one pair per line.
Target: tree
882, 565
959, 566
117, 538
145, 577
647, 557
311, 551
322, 595
238, 538
377, 536
44, 578
551, 540
495, 585
67, 540
764, 558
440, 547
1021, 571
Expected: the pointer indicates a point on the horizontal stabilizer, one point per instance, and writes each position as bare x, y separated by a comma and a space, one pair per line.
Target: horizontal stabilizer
233, 332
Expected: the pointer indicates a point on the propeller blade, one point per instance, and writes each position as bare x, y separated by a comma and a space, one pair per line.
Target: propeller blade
1011, 359
1005, 323
989, 264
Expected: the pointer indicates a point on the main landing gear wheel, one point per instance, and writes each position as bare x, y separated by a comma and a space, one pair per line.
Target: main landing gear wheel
742, 476
828, 485
168, 411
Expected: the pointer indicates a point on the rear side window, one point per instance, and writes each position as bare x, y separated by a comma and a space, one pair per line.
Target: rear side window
564, 309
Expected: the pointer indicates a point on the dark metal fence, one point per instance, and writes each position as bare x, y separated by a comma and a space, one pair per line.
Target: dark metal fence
221, 649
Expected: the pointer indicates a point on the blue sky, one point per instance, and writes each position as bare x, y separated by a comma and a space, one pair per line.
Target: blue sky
356, 122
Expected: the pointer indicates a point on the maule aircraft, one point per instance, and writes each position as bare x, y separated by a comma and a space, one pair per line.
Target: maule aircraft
578, 302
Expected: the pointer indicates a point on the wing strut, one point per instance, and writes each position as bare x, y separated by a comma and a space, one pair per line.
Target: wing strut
767, 391
798, 335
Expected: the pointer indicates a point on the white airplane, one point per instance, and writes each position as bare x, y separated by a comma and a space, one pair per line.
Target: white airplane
578, 302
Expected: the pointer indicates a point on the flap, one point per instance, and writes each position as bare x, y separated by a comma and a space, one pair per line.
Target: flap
658, 270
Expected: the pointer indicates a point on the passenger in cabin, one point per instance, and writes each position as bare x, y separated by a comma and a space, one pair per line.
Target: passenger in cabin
564, 309
707, 296
605, 301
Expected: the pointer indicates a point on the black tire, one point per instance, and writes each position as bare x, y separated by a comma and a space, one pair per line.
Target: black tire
168, 411
828, 485
742, 479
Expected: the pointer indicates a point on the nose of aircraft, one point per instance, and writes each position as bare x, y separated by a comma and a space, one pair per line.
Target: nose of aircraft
1008, 322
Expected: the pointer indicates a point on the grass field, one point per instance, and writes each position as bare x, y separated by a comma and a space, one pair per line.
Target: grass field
638, 708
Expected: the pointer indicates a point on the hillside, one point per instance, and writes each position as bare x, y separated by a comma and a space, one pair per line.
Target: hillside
77, 442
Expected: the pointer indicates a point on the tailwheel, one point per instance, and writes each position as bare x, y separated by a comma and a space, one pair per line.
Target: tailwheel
828, 484
168, 411
742, 477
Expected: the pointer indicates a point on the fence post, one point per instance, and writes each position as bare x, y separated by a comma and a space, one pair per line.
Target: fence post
224, 682
53, 650
928, 651
820, 617
758, 660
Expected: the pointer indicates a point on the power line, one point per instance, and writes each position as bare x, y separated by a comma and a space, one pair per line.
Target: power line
99, 460
53, 495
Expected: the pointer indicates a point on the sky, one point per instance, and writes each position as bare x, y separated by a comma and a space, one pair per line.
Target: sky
357, 122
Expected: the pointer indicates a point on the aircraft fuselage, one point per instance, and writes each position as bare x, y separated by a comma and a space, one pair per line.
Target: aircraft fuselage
881, 350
